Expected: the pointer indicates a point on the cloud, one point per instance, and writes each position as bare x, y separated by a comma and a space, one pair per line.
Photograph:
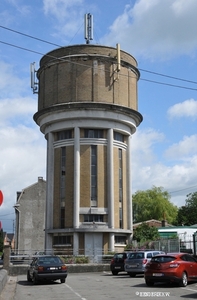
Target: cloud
24, 10
156, 29
175, 179
14, 111
60, 8
22, 159
149, 169
188, 108
143, 145
10, 83
183, 149
67, 15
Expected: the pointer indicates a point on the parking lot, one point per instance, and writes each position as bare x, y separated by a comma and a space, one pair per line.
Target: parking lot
95, 286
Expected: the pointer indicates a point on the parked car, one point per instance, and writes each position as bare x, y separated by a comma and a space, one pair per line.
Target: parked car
47, 267
136, 261
117, 263
172, 267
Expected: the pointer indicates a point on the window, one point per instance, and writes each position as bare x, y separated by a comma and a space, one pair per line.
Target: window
120, 189
93, 218
120, 174
120, 239
62, 224
93, 133
149, 255
134, 255
63, 173
65, 134
62, 187
163, 259
120, 218
118, 136
93, 175
62, 240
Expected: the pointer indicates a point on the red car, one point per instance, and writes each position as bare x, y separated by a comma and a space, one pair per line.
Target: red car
172, 267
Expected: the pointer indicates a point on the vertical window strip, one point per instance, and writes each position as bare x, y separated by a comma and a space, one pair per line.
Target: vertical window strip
62, 187
93, 175
120, 175
120, 189
62, 219
120, 217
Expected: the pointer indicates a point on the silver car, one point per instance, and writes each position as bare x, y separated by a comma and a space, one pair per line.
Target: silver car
136, 261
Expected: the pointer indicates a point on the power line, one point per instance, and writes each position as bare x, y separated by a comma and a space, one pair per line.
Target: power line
61, 59
6, 215
30, 36
171, 77
183, 189
75, 34
21, 48
169, 84
143, 70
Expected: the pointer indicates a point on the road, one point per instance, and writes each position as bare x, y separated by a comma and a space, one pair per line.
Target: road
95, 286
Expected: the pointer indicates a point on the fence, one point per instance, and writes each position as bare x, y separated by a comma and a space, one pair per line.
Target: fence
171, 245
25, 256
167, 245
98, 256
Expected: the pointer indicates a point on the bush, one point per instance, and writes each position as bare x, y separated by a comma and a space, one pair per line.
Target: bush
75, 259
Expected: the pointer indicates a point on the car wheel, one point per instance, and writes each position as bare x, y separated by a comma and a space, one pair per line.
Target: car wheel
35, 281
184, 280
28, 277
63, 280
149, 283
132, 274
114, 272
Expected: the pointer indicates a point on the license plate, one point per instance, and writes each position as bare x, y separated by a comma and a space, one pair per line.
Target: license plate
52, 268
133, 266
157, 274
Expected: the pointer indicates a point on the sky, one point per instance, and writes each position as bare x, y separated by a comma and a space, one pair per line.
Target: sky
161, 35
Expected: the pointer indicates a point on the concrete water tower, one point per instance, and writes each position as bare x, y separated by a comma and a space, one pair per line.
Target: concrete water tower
88, 111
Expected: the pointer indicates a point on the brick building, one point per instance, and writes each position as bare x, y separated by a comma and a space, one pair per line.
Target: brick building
88, 111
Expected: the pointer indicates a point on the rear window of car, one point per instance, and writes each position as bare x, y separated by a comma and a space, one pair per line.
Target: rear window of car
49, 260
136, 255
163, 259
119, 255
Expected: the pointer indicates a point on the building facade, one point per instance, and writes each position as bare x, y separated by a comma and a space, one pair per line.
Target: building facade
30, 218
88, 111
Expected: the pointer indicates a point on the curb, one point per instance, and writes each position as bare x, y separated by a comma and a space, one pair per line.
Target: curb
15, 270
3, 279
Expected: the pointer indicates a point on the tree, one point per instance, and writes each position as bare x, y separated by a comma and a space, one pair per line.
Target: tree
153, 204
144, 232
187, 215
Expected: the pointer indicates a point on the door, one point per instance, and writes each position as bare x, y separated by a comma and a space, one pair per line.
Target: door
94, 246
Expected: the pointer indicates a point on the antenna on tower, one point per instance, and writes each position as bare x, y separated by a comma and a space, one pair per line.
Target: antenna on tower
88, 27
34, 84
118, 57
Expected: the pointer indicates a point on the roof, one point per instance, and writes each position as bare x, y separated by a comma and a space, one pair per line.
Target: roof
156, 223
10, 236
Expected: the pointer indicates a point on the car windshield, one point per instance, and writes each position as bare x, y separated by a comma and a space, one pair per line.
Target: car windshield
49, 260
136, 255
163, 259
119, 255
